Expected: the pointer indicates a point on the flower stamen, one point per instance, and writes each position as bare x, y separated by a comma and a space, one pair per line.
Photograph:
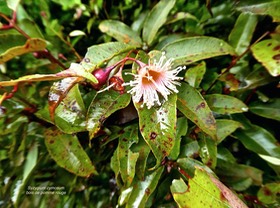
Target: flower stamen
154, 78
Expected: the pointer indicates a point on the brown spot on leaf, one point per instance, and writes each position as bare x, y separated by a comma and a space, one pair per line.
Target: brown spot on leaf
276, 57
70, 143
201, 105
222, 197
142, 128
124, 139
147, 191
153, 135
276, 48
51, 141
267, 191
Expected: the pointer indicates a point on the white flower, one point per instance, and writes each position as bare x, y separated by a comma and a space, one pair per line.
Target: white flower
154, 78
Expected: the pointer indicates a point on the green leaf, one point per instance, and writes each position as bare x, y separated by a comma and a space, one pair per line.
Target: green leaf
263, 8
126, 157
157, 126
189, 50
143, 150
225, 128
58, 92
191, 149
269, 193
12, 4
191, 103
102, 106
181, 130
258, 77
268, 53
31, 161
4, 8
142, 190
194, 75
208, 150
31, 45
238, 176
68, 153
269, 109
155, 19
225, 104
70, 113
121, 32
204, 190
272, 160
188, 167
259, 140
27, 24
99, 54
242, 33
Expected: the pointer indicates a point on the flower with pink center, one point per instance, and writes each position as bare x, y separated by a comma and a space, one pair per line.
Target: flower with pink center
153, 79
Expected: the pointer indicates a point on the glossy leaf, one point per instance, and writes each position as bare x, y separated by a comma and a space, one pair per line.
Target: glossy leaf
70, 113
191, 149
263, 8
189, 50
272, 160
120, 32
242, 33
188, 166
204, 189
31, 161
157, 126
238, 176
99, 54
126, 157
225, 128
181, 130
208, 150
31, 45
102, 106
269, 109
258, 77
268, 53
143, 150
155, 19
58, 92
143, 189
191, 103
194, 75
225, 104
68, 153
259, 140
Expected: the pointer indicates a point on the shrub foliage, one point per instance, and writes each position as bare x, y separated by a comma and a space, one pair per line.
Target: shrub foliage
72, 134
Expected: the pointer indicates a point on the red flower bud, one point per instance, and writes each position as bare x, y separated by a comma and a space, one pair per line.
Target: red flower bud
101, 75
